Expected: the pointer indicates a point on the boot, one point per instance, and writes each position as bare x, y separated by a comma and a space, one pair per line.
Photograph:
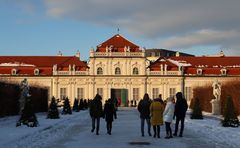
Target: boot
154, 131
158, 131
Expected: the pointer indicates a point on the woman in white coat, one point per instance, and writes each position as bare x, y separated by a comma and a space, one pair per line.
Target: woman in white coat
168, 116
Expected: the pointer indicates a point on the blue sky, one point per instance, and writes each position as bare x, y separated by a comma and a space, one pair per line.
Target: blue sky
44, 27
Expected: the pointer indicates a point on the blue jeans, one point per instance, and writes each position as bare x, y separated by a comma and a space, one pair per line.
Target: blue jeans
148, 124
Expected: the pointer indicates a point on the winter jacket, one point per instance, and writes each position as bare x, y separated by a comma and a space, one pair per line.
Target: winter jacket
156, 112
143, 108
181, 107
95, 109
169, 112
109, 112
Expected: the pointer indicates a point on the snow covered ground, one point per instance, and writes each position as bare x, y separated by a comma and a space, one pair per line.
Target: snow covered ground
74, 131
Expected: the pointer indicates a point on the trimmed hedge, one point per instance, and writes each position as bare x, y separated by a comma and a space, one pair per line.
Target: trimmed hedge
9, 96
205, 95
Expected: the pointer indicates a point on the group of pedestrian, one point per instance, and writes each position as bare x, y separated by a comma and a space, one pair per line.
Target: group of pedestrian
157, 112
97, 112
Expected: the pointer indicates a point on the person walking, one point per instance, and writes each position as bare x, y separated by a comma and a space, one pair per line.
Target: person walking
96, 112
156, 112
181, 107
168, 116
143, 108
109, 113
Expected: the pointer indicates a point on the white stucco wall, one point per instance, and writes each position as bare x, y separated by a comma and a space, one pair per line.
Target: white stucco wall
145, 82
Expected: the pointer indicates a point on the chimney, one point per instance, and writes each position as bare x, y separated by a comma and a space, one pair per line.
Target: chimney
161, 67
78, 54
221, 54
165, 67
59, 53
177, 54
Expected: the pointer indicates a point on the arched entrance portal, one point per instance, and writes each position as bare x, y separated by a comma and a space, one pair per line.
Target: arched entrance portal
120, 94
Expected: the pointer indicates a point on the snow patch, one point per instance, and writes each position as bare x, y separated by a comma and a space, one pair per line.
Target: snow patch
16, 64
179, 63
74, 131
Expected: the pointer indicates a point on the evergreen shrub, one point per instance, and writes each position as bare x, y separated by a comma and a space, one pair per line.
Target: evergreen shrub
53, 112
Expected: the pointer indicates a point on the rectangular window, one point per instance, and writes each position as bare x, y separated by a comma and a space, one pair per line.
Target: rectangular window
63, 93
155, 92
80, 94
172, 92
135, 93
188, 93
100, 91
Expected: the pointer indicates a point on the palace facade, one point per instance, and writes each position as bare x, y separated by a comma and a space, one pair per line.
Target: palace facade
118, 68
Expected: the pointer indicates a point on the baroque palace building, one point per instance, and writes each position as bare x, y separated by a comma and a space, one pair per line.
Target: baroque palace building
118, 68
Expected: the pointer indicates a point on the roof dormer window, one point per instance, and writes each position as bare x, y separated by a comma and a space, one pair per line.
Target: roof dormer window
36, 71
14, 72
223, 72
199, 71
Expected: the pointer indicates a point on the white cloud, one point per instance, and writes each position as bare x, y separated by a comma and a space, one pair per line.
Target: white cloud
202, 37
184, 23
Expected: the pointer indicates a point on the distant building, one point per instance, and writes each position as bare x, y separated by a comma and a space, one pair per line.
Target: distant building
118, 68
154, 54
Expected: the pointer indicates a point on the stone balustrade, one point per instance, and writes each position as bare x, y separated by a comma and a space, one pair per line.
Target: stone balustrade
117, 54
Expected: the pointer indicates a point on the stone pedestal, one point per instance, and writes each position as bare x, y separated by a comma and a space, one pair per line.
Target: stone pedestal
216, 107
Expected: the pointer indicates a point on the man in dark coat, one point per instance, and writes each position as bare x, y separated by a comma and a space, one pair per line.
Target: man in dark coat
96, 112
109, 113
143, 108
181, 107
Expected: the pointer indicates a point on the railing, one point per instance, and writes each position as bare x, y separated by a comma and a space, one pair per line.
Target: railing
119, 54
155, 73
164, 73
81, 73
63, 73
172, 73
71, 73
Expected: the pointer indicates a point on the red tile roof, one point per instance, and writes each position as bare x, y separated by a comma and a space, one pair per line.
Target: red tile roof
209, 65
117, 42
27, 64
156, 65
224, 61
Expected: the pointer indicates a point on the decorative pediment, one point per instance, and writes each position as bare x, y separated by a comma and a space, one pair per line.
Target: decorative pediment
117, 64
135, 64
100, 64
